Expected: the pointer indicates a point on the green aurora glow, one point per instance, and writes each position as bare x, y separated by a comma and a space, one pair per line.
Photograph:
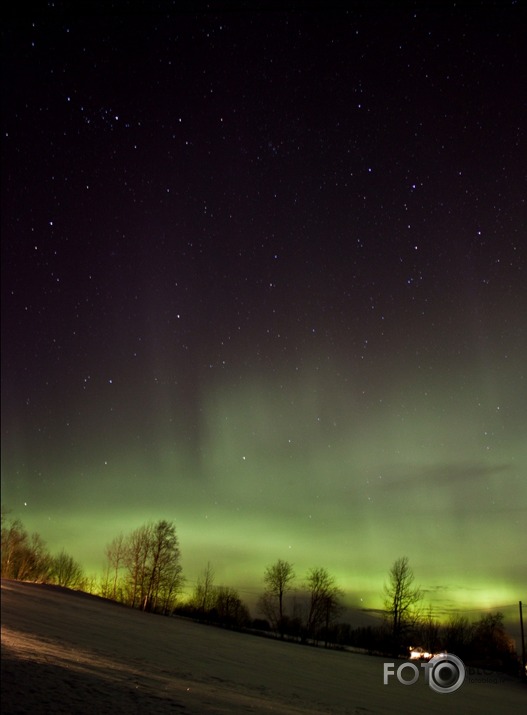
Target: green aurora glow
315, 475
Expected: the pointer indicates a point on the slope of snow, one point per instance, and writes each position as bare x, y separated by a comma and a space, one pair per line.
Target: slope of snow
70, 653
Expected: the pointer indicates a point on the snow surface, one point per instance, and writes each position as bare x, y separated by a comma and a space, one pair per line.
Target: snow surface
64, 652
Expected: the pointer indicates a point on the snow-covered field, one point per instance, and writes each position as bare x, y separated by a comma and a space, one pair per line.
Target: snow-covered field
72, 653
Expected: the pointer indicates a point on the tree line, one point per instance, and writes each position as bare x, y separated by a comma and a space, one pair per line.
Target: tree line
315, 603
314, 607
143, 570
26, 558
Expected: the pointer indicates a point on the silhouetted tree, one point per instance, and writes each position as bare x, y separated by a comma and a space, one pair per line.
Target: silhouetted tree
228, 609
324, 597
203, 596
428, 632
65, 571
163, 568
278, 579
24, 557
458, 634
491, 643
152, 571
401, 598
135, 560
115, 558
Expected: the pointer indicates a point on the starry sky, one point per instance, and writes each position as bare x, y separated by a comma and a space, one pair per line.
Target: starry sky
264, 275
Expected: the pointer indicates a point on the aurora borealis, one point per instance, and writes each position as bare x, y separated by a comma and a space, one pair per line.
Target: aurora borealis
264, 275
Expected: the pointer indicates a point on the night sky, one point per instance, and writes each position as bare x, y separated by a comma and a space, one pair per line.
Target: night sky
264, 275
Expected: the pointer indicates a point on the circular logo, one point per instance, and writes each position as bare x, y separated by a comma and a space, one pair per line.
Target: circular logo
446, 673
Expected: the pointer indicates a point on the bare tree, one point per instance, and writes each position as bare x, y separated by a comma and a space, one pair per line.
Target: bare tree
65, 571
203, 596
229, 608
278, 579
115, 557
153, 574
428, 630
324, 600
164, 575
135, 560
14, 538
458, 634
491, 640
401, 598
24, 557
